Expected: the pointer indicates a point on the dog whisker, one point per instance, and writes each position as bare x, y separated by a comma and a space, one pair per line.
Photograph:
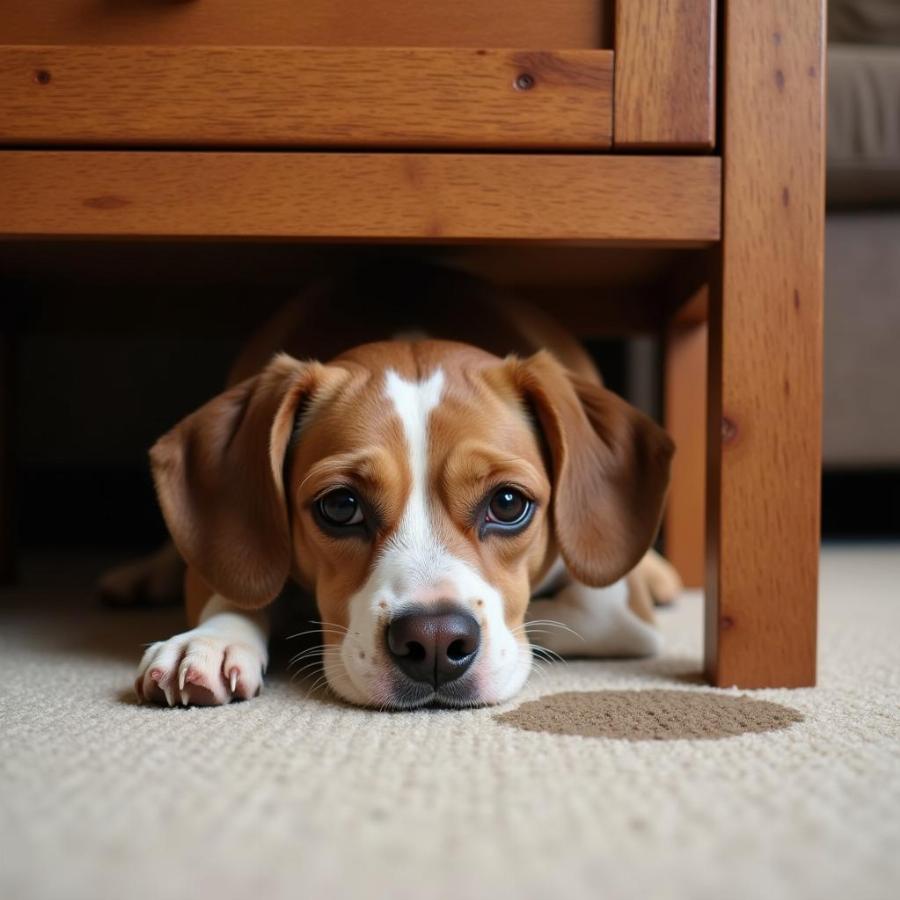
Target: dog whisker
536, 631
329, 624
316, 664
313, 651
315, 658
552, 623
326, 630
306, 656
548, 654
321, 681
336, 675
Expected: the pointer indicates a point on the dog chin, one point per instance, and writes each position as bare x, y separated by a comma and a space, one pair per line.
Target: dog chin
456, 695
399, 693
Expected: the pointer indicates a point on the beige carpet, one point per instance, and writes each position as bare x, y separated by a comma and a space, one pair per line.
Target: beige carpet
629, 793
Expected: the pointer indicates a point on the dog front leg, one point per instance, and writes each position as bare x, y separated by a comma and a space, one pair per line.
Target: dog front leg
586, 621
612, 621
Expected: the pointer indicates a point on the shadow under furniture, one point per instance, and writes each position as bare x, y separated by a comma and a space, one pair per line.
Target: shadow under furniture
603, 175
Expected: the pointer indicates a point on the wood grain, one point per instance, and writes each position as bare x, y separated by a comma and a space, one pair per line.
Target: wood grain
354, 196
684, 404
665, 73
351, 23
305, 97
765, 383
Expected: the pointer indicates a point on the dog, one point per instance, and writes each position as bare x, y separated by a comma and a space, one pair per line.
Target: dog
442, 467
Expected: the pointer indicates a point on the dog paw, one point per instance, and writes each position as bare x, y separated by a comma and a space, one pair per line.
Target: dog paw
655, 579
197, 669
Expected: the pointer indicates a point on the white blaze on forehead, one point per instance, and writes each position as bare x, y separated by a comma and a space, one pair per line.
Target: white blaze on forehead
413, 402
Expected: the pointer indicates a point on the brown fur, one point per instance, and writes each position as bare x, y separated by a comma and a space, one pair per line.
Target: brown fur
610, 468
237, 492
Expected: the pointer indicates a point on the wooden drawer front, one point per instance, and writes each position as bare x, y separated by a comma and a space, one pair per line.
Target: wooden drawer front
356, 74
570, 24
305, 97
665, 74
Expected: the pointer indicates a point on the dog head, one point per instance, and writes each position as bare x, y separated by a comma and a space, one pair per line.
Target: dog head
421, 490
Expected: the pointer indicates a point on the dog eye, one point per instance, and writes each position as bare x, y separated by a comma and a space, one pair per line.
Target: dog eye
508, 508
340, 508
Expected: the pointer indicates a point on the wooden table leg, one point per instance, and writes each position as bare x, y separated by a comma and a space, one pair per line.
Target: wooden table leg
685, 420
765, 367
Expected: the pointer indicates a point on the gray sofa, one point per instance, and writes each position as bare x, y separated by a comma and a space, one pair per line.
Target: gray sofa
862, 291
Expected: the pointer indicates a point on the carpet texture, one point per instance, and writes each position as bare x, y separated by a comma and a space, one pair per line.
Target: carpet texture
610, 779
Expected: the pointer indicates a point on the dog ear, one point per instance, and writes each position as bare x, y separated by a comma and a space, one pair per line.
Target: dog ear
610, 469
219, 478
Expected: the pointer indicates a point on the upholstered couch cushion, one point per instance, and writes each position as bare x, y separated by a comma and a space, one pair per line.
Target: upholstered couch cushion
862, 325
864, 21
864, 125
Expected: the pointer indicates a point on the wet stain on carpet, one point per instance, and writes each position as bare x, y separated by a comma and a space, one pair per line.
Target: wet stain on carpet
650, 715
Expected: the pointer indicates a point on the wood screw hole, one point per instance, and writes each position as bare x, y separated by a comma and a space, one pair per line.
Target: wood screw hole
524, 82
729, 430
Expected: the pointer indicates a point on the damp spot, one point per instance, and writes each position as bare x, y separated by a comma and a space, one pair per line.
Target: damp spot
650, 715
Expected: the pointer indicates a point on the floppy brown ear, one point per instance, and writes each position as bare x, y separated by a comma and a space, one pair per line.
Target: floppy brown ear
218, 476
610, 469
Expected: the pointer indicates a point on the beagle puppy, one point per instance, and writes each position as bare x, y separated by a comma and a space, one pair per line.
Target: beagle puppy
442, 468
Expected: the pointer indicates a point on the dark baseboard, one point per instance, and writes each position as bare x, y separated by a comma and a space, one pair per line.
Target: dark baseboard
861, 503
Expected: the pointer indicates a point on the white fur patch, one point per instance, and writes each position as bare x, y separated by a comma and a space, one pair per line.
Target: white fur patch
414, 402
593, 622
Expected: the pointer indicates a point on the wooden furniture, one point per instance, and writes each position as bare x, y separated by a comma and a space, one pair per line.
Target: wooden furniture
597, 141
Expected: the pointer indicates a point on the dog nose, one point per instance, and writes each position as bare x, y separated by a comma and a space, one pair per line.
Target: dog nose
434, 648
